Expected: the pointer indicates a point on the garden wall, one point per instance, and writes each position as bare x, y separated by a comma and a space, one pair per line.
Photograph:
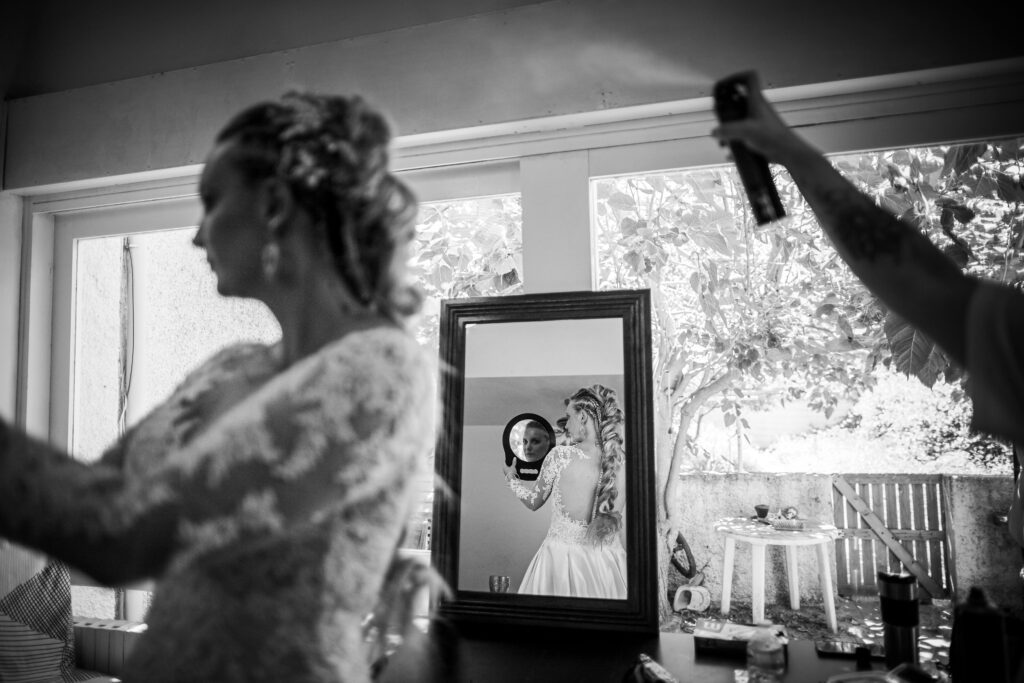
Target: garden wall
982, 552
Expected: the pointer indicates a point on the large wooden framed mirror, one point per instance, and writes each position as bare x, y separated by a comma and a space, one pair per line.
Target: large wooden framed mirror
509, 366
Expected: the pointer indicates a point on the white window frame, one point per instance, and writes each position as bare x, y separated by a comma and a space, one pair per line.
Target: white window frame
551, 162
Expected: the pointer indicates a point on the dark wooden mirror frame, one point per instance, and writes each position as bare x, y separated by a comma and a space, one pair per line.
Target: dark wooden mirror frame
639, 611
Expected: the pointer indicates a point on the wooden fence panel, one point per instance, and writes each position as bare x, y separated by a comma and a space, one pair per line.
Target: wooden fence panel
912, 508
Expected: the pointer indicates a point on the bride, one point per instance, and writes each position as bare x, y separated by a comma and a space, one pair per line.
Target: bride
583, 554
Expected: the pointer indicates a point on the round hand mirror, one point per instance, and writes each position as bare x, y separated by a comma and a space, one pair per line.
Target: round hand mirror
526, 441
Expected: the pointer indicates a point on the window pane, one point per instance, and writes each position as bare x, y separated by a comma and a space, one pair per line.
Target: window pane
97, 347
768, 351
148, 302
147, 312
464, 248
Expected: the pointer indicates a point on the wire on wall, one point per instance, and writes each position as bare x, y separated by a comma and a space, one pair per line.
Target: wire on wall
127, 353
126, 362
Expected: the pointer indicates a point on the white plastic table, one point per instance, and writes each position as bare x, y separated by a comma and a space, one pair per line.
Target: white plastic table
760, 536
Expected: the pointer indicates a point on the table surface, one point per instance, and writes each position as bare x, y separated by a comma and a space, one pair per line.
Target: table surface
753, 531
593, 656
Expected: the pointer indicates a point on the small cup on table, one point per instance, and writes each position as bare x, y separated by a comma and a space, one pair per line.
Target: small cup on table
498, 583
761, 510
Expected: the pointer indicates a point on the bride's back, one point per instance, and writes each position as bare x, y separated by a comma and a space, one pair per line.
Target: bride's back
578, 484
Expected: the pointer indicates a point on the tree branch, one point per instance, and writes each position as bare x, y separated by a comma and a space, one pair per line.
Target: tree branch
688, 410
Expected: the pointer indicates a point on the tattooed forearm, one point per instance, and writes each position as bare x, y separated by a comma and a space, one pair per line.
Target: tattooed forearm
859, 227
892, 257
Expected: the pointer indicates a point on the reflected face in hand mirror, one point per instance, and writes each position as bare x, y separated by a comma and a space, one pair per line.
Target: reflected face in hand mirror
526, 440
536, 442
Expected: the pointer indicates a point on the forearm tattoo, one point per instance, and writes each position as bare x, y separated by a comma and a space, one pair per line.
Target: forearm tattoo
860, 227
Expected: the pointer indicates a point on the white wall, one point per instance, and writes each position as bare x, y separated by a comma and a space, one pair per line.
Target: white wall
497, 534
588, 346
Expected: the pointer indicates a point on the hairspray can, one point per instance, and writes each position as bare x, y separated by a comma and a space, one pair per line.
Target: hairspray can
732, 102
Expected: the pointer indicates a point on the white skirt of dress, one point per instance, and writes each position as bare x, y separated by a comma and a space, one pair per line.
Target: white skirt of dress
578, 570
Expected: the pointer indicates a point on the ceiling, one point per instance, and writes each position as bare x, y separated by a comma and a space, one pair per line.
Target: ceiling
54, 45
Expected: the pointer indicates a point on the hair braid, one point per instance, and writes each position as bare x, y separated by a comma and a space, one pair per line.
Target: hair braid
601, 404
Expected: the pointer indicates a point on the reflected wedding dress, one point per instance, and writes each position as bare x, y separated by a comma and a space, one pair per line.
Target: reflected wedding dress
566, 562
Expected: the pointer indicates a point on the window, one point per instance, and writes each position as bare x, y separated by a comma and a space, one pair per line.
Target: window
146, 312
764, 334
505, 209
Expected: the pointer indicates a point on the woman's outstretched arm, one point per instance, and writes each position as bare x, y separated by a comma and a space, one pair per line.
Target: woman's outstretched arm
533, 494
892, 258
86, 515
337, 432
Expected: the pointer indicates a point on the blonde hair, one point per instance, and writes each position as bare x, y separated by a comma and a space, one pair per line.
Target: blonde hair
601, 404
333, 152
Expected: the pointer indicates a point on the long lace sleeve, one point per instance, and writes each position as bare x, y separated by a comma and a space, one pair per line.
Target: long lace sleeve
344, 427
86, 515
537, 494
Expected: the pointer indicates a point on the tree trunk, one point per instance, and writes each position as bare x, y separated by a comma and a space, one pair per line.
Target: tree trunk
670, 504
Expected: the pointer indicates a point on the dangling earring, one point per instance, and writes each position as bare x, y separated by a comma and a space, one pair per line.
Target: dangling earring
270, 260
581, 434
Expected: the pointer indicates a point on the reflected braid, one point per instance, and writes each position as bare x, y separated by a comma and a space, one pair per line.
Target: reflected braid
601, 404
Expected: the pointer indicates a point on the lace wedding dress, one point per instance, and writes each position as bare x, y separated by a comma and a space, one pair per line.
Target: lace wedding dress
566, 562
266, 503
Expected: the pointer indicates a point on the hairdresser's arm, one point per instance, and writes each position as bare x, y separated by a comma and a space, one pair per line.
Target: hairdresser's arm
892, 258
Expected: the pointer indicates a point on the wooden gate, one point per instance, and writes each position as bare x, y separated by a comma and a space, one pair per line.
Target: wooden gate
890, 522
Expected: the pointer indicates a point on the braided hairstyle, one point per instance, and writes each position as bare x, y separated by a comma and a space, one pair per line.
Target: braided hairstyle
332, 151
602, 406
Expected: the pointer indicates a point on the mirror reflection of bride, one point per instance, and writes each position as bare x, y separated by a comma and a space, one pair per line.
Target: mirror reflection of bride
583, 554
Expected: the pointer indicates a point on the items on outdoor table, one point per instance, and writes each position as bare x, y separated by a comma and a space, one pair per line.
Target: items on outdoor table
790, 513
787, 524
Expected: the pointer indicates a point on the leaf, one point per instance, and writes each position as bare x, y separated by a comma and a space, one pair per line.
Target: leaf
711, 240
633, 260
823, 310
1008, 189
911, 350
959, 158
946, 219
959, 254
962, 213
844, 326
628, 226
729, 418
622, 202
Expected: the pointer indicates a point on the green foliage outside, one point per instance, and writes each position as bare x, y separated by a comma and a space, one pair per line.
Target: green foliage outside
464, 248
752, 317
